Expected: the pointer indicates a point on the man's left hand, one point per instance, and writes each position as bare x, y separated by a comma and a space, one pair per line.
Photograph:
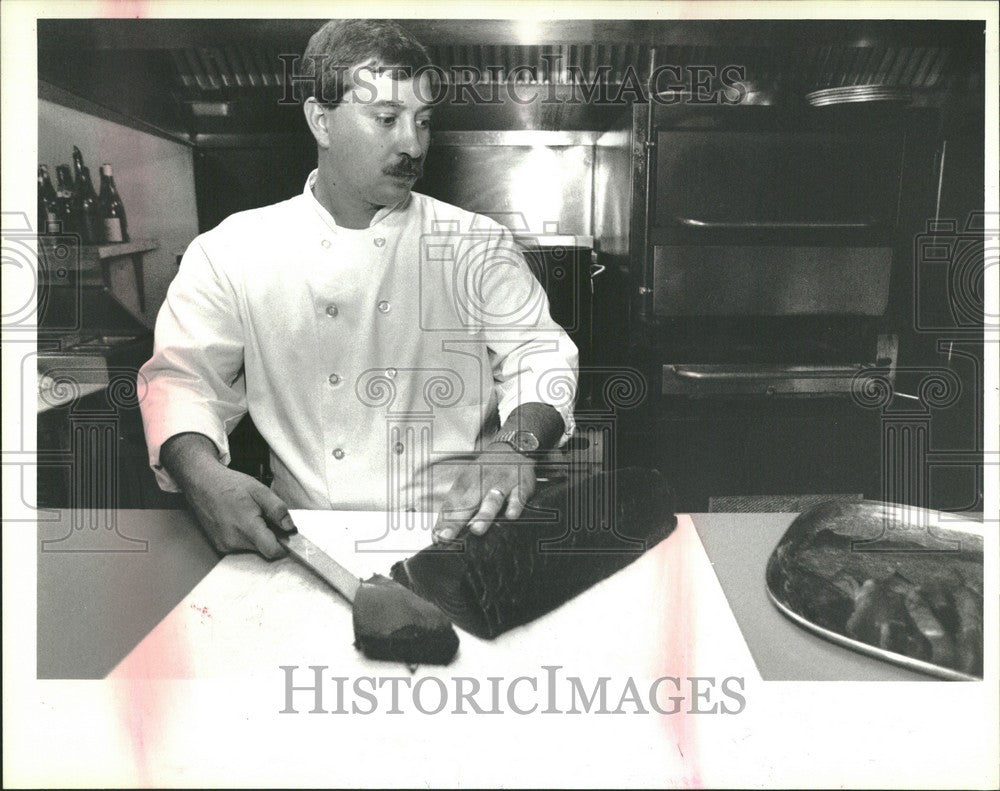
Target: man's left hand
500, 481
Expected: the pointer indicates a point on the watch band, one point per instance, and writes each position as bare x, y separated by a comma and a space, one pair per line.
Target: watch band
521, 441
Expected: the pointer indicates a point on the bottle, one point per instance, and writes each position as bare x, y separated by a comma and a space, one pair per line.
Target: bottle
42, 220
86, 209
77, 163
84, 205
48, 208
64, 198
112, 210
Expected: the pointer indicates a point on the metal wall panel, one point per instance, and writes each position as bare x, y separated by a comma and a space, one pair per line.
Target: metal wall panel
529, 188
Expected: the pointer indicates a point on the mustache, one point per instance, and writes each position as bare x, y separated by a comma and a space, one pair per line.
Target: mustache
407, 168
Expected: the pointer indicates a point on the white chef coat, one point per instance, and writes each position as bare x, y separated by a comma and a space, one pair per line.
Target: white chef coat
368, 359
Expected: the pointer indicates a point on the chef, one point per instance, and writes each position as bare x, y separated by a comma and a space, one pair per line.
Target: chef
394, 351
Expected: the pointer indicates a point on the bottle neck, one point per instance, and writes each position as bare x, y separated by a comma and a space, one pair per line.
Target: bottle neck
84, 186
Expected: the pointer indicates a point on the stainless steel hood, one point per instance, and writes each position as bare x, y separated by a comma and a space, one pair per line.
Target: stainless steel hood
208, 77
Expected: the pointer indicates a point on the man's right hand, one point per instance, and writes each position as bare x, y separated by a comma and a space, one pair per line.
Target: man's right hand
237, 512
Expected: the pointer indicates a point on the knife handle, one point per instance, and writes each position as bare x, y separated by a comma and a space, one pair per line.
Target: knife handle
321, 564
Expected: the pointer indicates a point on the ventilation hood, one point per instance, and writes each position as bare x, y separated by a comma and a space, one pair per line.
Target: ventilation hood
208, 80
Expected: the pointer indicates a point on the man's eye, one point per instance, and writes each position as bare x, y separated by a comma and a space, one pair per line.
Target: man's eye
424, 123
386, 120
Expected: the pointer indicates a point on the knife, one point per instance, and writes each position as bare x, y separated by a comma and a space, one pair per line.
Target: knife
321, 564
390, 622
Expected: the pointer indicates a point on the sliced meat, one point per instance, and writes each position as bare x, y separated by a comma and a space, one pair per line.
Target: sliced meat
942, 646
562, 545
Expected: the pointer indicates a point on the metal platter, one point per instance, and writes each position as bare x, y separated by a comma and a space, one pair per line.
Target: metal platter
858, 93
899, 583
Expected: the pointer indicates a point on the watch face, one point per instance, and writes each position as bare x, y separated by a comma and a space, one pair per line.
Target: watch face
525, 441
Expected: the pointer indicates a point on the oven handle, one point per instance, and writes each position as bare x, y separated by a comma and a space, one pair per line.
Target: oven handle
596, 270
741, 373
771, 379
692, 222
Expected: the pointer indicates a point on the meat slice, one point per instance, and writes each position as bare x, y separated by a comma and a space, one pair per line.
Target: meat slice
571, 536
391, 623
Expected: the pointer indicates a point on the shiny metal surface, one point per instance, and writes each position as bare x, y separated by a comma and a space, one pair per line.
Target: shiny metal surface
790, 179
612, 194
548, 241
703, 380
150, 73
717, 380
321, 564
864, 648
832, 40
514, 137
724, 373
815, 575
692, 222
858, 93
533, 189
746, 280
771, 379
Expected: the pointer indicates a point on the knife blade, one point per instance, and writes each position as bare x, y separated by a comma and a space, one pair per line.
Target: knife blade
321, 564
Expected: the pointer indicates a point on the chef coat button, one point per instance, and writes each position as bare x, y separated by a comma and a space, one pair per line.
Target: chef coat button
334, 379
384, 306
325, 243
391, 372
380, 242
331, 311
398, 447
338, 454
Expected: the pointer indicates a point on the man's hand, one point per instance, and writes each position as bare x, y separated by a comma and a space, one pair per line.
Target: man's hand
235, 511
238, 513
498, 481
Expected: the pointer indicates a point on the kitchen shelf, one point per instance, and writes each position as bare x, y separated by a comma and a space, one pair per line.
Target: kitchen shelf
65, 378
117, 250
65, 252
62, 247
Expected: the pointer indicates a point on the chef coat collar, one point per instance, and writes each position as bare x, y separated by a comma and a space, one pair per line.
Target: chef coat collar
328, 218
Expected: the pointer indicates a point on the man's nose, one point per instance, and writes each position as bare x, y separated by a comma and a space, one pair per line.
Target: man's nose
410, 141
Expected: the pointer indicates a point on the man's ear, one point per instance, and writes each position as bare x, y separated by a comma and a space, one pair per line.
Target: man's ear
317, 116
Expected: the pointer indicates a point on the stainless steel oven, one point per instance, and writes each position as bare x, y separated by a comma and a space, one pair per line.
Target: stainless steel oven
771, 247
769, 274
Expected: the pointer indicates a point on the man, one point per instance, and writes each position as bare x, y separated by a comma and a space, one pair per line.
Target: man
372, 333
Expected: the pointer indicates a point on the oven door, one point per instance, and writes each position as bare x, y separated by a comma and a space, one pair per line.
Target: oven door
784, 184
774, 223
780, 235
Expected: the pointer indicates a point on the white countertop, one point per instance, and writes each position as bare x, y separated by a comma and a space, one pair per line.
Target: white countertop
199, 701
248, 616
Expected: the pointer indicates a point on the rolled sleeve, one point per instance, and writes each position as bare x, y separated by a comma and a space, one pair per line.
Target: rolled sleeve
533, 359
194, 381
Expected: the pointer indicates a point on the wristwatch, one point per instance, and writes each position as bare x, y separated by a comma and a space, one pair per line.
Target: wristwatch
521, 441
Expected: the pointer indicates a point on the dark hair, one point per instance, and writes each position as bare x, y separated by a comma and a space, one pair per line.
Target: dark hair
342, 45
